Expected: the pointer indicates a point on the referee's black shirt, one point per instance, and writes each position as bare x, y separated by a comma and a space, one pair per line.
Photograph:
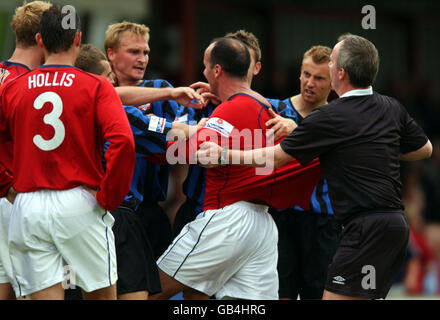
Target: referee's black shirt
358, 140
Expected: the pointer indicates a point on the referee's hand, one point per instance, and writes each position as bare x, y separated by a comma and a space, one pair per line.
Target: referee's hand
208, 155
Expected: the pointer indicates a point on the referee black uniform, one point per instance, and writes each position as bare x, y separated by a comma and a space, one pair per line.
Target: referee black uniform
358, 139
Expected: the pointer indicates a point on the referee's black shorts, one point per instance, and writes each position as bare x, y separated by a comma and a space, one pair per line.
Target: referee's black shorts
371, 252
306, 245
137, 268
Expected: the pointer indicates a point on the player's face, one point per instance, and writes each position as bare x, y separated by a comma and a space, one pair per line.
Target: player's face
333, 66
130, 60
315, 81
107, 73
209, 72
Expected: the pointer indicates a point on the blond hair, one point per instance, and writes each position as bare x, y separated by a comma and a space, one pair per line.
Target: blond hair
114, 31
26, 22
319, 54
249, 39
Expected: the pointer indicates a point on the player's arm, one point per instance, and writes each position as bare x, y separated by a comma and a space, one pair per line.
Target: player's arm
137, 96
6, 157
151, 131
419, 154
212, 155
306, 143
185, 131
120, 154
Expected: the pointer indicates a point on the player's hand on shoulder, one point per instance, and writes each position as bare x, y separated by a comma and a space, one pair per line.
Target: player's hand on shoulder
279, 126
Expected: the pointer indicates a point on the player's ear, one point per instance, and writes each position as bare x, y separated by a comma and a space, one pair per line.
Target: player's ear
110, 54
217, 70
77, 40
39, 40
257, 68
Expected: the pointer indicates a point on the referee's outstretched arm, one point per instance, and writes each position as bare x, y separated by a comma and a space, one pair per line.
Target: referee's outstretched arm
422, 153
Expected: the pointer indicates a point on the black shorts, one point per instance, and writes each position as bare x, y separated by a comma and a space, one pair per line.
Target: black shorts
372, 249
157, 226
306, 245
137, 268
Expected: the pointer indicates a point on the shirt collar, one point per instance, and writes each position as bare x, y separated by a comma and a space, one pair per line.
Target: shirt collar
358, 92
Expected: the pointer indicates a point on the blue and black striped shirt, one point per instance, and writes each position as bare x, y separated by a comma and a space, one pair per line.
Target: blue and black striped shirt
320, 201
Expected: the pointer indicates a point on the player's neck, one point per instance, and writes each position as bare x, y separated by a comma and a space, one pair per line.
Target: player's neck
233, 87
30, 56
303, 107
62, 58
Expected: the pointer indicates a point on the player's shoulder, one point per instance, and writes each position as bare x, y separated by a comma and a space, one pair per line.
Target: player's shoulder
278, 102
156, 83
16, 67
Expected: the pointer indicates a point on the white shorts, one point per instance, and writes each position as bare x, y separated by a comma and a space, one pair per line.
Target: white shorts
61, 236
5, 261
230, 252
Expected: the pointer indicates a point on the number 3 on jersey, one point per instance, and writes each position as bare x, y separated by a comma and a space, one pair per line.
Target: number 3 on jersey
52, 119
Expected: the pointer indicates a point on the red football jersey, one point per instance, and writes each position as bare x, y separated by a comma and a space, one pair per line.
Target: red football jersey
239, 123
58, 118
8, 71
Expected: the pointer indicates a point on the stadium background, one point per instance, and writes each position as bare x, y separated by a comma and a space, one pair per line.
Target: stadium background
406, 36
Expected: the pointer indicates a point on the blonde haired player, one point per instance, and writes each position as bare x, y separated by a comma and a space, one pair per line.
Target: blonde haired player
27, 55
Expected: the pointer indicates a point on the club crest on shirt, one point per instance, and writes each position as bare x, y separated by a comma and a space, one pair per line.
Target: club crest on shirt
4, 73
219, 125
144, 108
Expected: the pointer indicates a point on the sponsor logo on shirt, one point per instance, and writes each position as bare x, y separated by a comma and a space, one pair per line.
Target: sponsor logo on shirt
219, 125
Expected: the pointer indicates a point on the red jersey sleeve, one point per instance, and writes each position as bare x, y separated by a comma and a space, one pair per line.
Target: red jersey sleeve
120, 155
5, 137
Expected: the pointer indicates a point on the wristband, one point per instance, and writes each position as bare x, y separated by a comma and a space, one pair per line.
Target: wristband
224, 156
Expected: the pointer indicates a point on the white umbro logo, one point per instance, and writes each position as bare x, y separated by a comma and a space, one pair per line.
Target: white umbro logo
339, 280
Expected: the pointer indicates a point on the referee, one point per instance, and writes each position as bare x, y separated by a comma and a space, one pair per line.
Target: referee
359, 139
